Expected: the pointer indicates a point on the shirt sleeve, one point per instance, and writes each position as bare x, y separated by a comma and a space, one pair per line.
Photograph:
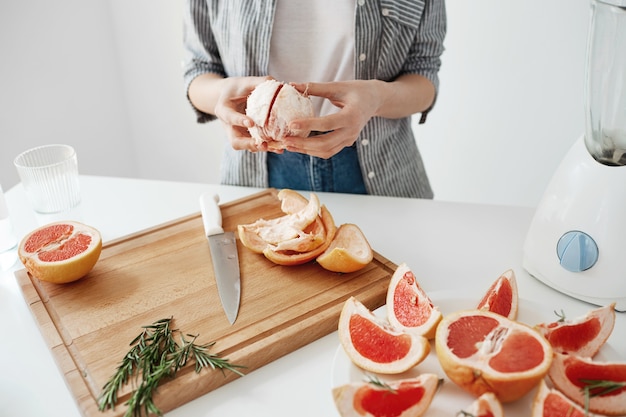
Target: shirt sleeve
201, 54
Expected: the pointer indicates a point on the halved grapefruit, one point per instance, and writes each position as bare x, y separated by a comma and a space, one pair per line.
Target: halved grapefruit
349, 251
487, 405
408, 306
409, 397
599, 387
583, 335
373, 345
482, 351
60, 252
502, 296
549, 402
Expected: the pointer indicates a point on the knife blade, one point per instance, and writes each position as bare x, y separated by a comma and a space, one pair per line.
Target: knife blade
224, 255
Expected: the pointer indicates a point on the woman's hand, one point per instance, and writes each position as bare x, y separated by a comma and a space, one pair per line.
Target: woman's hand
226, 99
358, 101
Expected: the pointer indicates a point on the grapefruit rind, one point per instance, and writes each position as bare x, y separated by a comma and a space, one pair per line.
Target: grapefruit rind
349, 251
498, 299
474, 373
64, 271
358, 399
584, 335
567, 370
361, 344
406, 298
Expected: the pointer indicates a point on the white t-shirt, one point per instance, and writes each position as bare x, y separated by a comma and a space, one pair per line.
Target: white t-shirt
323, 29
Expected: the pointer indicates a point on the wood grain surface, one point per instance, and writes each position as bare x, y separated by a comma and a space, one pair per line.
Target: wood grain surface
166, 271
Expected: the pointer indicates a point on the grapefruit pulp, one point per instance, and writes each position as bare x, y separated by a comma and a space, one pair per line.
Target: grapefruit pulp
482, 351
409, 397
502, 296
487, 405
373, 345
599, 385
408, 306
549, 402
60, 252
583, 335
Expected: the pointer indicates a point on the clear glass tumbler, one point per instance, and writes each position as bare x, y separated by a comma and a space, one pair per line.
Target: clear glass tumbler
49, 175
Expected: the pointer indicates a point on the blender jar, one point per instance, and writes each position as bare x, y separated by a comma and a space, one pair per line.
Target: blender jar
605, 84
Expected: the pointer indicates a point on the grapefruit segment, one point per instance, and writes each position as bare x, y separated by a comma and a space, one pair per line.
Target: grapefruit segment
600, 386
482, 351
409, 397
487, 405
60, 252
583, 336
373, 345
408, 306
502, 296
549, 402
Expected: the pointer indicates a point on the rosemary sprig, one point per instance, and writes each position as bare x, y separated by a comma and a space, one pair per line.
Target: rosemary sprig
156, 354
374, 380
598, 387
561, 316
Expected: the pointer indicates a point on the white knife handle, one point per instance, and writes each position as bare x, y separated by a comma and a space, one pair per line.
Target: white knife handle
211, 214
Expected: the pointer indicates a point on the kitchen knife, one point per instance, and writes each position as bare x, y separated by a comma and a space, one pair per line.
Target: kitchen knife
224, 254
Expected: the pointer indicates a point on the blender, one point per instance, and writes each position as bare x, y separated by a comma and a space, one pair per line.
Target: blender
576, 242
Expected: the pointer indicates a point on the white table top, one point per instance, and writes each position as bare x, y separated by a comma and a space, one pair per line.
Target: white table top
450, 247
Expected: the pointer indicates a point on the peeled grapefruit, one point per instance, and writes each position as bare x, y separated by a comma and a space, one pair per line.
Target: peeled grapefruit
408, 306
409, 397
583, 335
60, 252
373, 345
599, 387
487, 405
482, 351
349, 251
549, 402
502, 296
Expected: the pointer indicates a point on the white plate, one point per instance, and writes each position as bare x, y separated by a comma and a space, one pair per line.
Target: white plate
451, 399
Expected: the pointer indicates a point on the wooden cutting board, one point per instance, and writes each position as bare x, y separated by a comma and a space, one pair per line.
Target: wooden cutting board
166, 271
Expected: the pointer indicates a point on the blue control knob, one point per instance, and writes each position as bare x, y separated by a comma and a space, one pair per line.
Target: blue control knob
577, 251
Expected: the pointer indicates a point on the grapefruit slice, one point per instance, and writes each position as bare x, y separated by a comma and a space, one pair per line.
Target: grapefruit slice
599, 387
502, 296
583, 336
373, 345
482, 351
549, 402
349, 251
60, 252
409, 397
408, 306
487, 405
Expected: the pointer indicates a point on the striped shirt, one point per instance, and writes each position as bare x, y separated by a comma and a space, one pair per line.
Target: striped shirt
392, 37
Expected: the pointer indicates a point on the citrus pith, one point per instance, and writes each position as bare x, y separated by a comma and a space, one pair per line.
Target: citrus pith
482, 351
549, 402
373, 345
60, 252
408, 306
409, 397
349, 251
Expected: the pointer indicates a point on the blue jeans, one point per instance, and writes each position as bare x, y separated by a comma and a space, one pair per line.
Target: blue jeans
341, 173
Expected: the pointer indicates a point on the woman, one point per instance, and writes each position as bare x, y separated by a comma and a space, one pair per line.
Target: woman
369, 64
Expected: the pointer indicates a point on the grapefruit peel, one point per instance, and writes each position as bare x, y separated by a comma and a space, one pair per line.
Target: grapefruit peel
502, 296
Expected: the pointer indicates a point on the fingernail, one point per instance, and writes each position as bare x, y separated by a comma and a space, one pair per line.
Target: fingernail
248, 123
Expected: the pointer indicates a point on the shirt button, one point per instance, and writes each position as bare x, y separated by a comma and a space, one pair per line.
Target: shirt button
385, 12
371, 175
365, 142
362, 57
361, 2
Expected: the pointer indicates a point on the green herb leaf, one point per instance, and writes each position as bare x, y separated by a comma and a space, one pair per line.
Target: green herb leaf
156, 354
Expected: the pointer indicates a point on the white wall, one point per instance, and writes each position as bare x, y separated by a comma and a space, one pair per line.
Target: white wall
105, 76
